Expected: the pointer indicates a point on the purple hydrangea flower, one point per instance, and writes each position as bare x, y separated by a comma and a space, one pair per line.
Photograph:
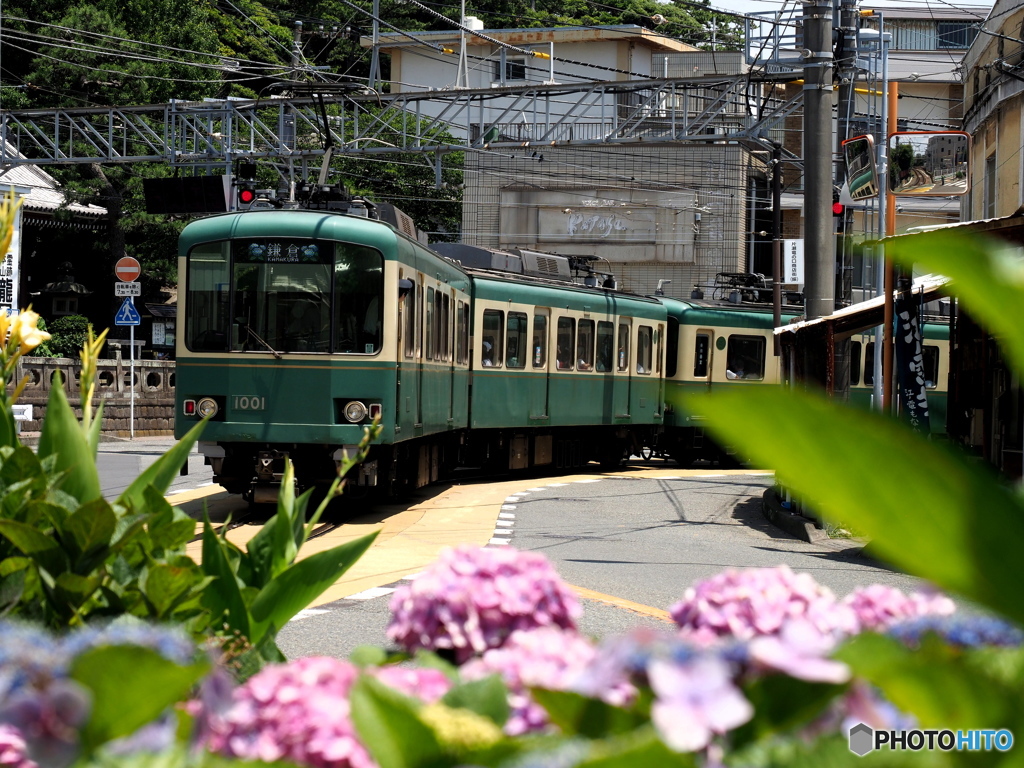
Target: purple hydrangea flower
878, 606
427, 685
695, 701
547, 657
472, 599
169, 641
964, 631
743, 604
13, 749
49, 720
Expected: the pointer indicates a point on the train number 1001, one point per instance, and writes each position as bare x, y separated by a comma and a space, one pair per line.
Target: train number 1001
243, 403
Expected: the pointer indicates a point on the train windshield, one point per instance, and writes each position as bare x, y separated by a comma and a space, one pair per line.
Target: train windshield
285, 295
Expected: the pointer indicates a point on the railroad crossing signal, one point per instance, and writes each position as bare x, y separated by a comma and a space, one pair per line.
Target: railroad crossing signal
127, 314
127, 269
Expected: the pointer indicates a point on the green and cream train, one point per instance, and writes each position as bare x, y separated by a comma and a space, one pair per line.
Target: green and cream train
297, 328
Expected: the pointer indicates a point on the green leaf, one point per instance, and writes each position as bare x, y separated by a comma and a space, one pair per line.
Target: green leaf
91, 527
8, 433
935, 682
368, 656
166, 585
223, 598
641, 747
986, 274
303, 582
72, 591
274, 547
925, 508
95, 430
41, 548
169, 528
161, 473
130, 686
12, 587
574, 714
62, 437
387, 724
782, 703
487, 696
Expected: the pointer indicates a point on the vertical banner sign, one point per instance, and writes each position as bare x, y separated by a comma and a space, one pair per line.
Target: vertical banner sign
913, 398
9, 269
793, 255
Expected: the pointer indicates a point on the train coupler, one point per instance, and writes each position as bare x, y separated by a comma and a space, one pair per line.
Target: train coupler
363, 474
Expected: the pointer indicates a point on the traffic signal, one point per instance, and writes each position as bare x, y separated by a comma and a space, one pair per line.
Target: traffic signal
838, 210
246, 194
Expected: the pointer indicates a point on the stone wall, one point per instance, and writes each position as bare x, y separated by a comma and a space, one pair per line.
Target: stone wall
153, 384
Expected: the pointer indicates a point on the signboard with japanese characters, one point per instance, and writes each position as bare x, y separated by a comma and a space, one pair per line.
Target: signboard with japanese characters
793, 258
9, 270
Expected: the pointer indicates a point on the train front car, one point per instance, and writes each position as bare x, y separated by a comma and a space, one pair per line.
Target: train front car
289, 344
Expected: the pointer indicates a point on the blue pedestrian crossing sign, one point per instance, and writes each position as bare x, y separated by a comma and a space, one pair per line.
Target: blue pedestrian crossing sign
127, 314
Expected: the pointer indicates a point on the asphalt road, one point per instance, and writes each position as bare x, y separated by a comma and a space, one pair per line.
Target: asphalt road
632, 546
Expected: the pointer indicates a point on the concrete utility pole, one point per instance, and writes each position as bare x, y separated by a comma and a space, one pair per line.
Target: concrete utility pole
819, 245
846, 70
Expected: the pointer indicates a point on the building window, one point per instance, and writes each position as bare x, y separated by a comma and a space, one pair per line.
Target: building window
515, 69
954, 34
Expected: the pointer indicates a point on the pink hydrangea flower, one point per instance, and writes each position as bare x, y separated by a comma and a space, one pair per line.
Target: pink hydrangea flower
744, 604
695, 701
800, 650
13, 749
877, 607
548, 657
472, 599
300, 712
297, 711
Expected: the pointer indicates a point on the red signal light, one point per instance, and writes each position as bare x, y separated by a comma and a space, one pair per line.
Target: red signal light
246, 195
838, 209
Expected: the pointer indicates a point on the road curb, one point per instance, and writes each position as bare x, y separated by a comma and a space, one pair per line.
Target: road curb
793, 524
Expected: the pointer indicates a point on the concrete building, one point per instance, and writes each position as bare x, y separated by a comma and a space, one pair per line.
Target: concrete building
663, 211
994, 113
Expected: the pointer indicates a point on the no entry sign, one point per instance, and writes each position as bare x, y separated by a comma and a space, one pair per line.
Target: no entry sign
127, 269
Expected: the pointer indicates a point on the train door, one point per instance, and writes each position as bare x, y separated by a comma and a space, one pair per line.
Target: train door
541, 380
406, 342
703, 348
420, 309
623, 369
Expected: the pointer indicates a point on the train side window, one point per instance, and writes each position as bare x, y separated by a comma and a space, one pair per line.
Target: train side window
644, 345
540, 341
623, 349
410, 323
461, 331
358, 304
446, 328
869, 364
701, 348
855, 350
605, 346
931, 366
745, 357
430, 324
585, 346
566, 343
672, 357
515, 340
419, 320
490, 354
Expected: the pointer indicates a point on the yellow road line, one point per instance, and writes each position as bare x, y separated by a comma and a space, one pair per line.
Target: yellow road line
620, 602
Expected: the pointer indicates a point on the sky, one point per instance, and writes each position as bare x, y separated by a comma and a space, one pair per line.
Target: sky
762, 6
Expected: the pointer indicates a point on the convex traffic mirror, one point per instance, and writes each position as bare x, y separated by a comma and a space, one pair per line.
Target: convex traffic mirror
861, 171
932, 163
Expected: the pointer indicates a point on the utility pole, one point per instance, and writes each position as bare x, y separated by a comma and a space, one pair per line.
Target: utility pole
819, 244
375, 55
296, 49
846, 70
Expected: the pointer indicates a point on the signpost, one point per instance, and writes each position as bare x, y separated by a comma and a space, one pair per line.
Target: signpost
127, 270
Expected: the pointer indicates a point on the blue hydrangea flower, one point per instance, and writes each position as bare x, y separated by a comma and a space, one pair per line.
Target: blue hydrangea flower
964, 631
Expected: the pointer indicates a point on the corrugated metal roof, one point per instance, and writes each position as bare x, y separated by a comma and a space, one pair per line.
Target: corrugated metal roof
43, 195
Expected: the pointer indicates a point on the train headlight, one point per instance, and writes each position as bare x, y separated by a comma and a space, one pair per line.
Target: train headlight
355, 411
207, 407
